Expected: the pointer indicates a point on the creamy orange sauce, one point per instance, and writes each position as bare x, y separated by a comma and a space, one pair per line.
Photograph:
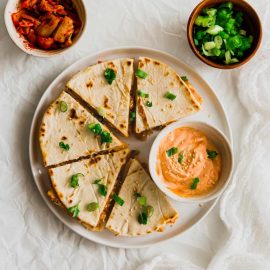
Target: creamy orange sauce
177, 176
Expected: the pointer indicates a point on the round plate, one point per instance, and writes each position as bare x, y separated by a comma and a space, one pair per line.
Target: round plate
212, 112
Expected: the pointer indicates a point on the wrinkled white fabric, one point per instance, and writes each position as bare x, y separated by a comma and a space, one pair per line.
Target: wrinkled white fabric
234, 236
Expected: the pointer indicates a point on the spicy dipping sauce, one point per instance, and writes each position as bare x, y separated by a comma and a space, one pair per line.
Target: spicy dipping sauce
188, 163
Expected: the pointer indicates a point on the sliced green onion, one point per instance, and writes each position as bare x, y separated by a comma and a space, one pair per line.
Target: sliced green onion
74, 210
243, 32
105, 137
95, 128
93, 206
180, 158
74, 181
118, 200
142, 200
148, 103
132, 116
142, 218
109, 75
142, 94
209, 45
141, 74
63, 106
227, 57
172, 151
184, 78
101, 111
218, 41
102, 189
170, 96
64, 146
214, 30
195, 183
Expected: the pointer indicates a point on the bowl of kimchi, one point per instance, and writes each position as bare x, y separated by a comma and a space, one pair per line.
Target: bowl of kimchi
45, 28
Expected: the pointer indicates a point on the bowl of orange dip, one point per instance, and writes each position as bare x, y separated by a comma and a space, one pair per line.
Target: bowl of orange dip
191, 162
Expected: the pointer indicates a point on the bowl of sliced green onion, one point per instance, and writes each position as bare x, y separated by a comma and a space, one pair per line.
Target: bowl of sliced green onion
224, 34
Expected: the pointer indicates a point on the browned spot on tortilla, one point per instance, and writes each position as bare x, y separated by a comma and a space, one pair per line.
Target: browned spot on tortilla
122, 159
106, 102
51, 172
42, 129
56, 102
81, 122
147, 60
141, 113
156, 63
128, 63
72, 114
111, 65
141, 64
94, 160
89, 84
70, 200
166, 73
122, 126
43, 124
64, 138
60, 195
170, 106
172, 83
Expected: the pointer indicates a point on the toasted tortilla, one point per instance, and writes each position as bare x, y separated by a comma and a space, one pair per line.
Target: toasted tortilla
104, 167
112, 101
123, 220
70, 127
161, 79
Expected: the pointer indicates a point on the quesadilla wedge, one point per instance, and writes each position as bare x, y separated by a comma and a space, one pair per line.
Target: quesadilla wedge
162, 95
84, 187
106, 88
145, 209
68, 132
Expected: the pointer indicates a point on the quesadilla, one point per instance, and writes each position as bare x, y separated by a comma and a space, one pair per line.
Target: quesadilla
145, 208
84, 187
68, 132
106, 88
162, 95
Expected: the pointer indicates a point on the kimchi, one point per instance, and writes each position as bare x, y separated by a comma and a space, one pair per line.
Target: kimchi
47, 24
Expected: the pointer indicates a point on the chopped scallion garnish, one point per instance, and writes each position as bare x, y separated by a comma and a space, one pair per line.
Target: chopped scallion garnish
141, 74
109, 75
74, 210
64, 146
172, 151
74, 181
142, 94
195, 183
93, 206
148, 103
63, 106
212, 154
170, 96
118, 200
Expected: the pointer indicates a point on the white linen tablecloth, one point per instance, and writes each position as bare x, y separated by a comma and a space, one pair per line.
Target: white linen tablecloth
235, 235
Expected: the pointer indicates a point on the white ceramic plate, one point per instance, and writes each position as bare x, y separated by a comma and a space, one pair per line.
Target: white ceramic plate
212, 112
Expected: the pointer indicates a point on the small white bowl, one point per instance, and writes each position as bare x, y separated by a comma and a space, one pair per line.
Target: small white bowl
22, 43
219, 140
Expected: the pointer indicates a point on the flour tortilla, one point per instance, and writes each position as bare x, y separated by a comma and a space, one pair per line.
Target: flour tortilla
124, 219
161, 79
113, 100
70, 127
104, 167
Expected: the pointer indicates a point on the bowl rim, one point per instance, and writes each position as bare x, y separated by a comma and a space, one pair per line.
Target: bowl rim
18, 40
153, 158
209, 62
